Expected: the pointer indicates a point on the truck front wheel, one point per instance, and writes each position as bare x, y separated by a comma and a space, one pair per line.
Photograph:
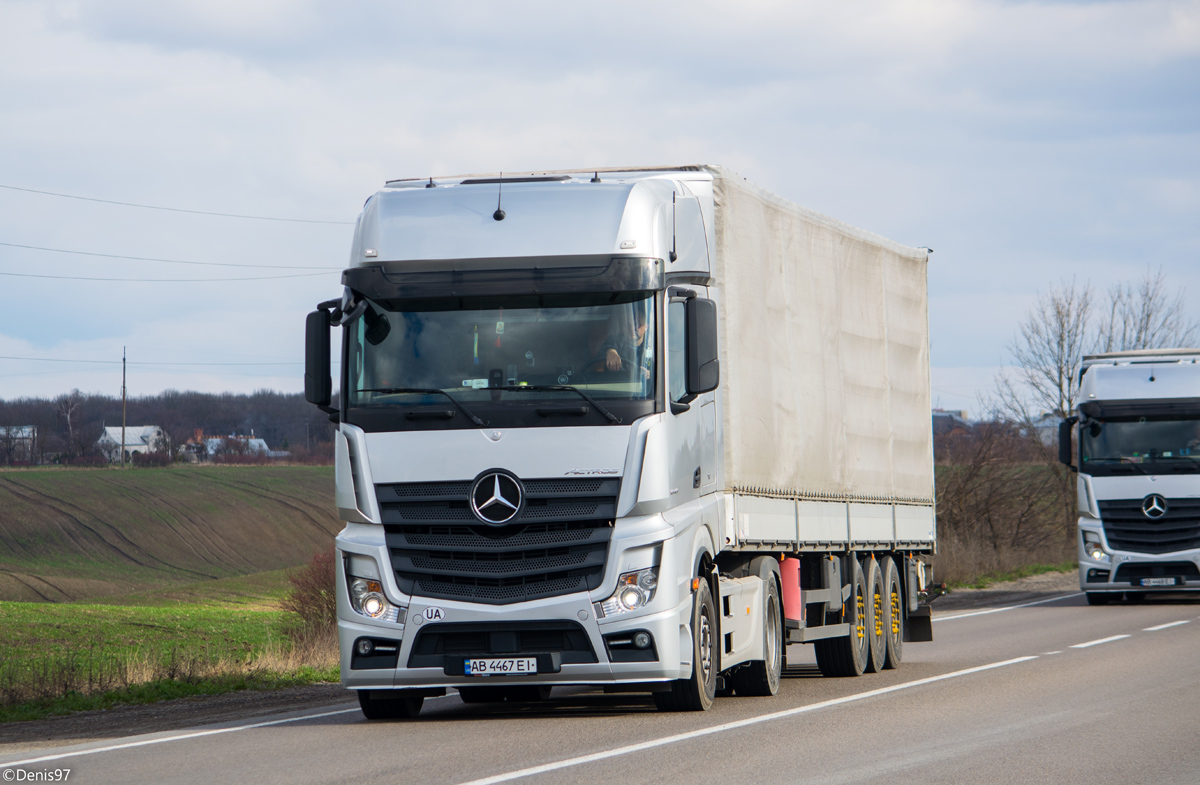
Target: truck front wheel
379, 705
1097, 598
696, 693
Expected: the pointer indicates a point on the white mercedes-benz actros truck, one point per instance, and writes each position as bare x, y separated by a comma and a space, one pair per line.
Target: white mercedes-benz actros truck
638, 429
1138, 428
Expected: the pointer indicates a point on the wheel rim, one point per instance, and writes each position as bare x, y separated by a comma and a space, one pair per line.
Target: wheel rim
877, 602
895, 612
705, 644
773, 652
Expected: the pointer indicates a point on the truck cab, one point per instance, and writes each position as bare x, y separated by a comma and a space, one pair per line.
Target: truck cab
1138, 452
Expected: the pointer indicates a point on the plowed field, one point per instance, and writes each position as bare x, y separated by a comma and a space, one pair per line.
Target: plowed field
79, 534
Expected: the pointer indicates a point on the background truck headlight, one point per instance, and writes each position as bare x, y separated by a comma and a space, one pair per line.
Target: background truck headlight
634, 591
367, 598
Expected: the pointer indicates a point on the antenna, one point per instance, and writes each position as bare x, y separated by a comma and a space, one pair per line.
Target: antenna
499, 214
674, 255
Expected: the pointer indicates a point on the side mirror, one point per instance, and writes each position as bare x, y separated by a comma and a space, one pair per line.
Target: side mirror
1064, 440
318, 385
703, 367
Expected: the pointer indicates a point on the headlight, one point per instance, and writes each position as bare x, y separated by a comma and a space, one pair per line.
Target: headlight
367, 598
1092, 547
634, 591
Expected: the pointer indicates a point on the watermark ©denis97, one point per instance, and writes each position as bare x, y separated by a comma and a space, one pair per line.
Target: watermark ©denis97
36, 775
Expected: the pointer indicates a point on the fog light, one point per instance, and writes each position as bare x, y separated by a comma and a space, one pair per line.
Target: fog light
641, 640
365, 646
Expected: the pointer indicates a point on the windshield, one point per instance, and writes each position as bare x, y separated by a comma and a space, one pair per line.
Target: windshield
489, 352
1137, 440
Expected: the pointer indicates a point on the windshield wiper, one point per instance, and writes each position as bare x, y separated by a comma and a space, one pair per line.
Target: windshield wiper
556, 387
427, 391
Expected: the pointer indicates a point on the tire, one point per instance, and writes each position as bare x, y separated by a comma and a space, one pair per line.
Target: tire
696, 692
876, 600
1097, 598
847, 656
481, 694
401, 707
527, 693
760, 678
893, 619
1135, 597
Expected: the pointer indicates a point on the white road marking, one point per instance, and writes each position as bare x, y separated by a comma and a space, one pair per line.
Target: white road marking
1164, 626
191, 735
1053, 652
1098, 642
177, 737
646, 745
1006, 608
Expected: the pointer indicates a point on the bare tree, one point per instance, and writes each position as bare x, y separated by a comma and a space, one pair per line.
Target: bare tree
1048, 350
1143, 315
68, 409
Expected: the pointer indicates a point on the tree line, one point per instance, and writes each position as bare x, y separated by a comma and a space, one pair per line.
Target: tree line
69, 425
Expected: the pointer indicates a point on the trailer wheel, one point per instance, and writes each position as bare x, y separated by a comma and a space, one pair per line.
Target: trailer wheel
847, 656
402, 707
761, 677
1097, 598
481, 694
893, 620
876, 616
696, 692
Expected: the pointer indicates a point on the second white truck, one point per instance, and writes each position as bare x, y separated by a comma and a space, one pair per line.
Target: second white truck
1138, 428
635, 428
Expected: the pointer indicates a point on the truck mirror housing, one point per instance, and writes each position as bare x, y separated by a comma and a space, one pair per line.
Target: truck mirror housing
1064, 440
318, 386
703, 367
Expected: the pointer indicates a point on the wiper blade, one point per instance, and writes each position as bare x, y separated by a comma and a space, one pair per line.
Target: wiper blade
566, 387
427, 391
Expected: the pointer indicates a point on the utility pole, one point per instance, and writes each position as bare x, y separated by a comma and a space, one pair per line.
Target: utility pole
122, 407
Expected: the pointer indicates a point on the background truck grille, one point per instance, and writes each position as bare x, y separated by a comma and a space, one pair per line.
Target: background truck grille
1128, 529
557, 545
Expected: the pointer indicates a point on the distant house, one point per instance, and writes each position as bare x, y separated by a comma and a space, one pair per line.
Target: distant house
945, 421
138, 439
1046, 426
17, 443
205, 448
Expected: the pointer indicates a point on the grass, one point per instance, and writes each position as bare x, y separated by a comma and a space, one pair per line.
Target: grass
199, 639
1025, 571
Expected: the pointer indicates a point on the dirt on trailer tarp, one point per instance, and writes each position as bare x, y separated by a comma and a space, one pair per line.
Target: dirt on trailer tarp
122, 721
1036, 587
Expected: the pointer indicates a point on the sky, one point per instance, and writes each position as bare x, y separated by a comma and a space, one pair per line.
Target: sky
1027, 143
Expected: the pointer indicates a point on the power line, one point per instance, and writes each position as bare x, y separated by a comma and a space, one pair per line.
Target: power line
131, 362
160, 280
168, 261
175, 209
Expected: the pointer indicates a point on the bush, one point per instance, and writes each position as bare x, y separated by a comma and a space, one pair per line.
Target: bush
248, 459
312, 596
88, 460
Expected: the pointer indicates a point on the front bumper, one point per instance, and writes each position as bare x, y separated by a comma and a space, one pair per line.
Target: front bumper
1124, 572
669, 629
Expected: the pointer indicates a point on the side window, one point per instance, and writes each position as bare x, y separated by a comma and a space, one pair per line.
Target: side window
676, 350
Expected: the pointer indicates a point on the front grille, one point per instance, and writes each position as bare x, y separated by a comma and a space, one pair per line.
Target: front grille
434, 642
557, 545
1128, 529
1168, 569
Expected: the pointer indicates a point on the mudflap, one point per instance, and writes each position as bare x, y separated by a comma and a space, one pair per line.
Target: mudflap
918, 627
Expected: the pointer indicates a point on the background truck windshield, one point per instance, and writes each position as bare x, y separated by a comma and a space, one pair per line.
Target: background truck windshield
603, 344
1140, 440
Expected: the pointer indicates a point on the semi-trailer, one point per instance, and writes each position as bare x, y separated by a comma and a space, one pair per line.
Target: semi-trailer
634, 428
1137, 428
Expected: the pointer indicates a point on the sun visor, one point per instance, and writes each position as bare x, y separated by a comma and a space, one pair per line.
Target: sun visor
1150, 407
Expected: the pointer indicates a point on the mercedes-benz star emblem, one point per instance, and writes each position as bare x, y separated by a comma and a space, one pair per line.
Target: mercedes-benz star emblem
496, 497
1154, 506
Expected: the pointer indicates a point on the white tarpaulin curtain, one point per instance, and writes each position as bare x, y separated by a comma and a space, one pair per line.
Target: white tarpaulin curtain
824, 353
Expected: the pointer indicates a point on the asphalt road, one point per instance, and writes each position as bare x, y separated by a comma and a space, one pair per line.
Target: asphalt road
1051, 692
